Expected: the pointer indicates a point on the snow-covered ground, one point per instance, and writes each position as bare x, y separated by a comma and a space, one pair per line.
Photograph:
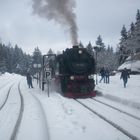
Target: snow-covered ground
59, 118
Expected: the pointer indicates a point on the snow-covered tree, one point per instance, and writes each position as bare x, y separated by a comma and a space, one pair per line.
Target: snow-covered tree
123, 33
89, 48
81, 45
138, 15
36, 60
130, 41
99, 42
50, 52
13, 60
37, 56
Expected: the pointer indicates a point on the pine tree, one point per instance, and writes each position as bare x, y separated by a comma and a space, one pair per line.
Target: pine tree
51, 61
134, 39
36, 61
90, 49
130, 40
37, 56
50, 52
9, 58
123, 48
99, 42
81, 45
13, 60
136, 36
123, 33
3, 64
138, 16
132, 28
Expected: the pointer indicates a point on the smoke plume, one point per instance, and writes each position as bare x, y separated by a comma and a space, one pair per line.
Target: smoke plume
62, 11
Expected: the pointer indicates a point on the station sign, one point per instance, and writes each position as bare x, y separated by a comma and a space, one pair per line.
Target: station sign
48, 74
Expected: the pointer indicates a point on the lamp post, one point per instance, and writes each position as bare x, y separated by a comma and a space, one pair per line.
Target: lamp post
96, 48
43, 71
37, 67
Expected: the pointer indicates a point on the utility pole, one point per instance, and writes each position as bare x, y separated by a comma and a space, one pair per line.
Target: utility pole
97, 49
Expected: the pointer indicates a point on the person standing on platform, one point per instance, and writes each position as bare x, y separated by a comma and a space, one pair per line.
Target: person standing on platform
125, 76
102, 73
29, 80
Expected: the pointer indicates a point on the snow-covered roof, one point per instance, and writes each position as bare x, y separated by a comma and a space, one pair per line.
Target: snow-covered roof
133, 65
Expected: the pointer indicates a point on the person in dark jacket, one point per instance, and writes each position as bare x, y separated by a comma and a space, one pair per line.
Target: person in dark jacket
29, 80
102, 73
107, 75
125, 76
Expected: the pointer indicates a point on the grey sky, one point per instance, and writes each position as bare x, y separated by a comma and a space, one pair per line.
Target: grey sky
105, 17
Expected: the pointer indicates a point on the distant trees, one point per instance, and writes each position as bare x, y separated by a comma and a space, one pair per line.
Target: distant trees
129, 45
81, 45
3, 64
130, 40
104, 56
37, 56
99, 42
13, 60
36, 61
89, 48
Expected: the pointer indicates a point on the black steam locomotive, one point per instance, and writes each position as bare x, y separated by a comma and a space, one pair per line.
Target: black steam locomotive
76, 69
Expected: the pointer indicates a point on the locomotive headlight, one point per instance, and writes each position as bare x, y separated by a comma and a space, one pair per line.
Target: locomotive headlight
80, 52
71, 77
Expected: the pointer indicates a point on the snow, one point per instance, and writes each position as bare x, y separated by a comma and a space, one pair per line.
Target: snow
115, 90
59, 118
133, 65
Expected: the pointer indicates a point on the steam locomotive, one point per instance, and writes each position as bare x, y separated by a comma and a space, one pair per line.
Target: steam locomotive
76, 69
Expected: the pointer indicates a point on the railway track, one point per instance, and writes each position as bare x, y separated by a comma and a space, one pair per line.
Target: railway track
12, 110
112, 123
7, 95
43, 112
118, 109
18, 122
5, 84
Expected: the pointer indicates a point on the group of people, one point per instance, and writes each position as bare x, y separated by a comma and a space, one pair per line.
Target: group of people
105, 74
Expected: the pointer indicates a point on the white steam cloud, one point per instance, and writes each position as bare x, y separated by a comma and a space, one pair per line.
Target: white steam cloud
62, 11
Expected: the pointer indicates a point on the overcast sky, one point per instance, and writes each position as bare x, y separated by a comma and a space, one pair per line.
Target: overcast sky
19, 25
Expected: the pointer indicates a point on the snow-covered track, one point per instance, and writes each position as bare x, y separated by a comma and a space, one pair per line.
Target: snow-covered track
5, 84
6, 97
15, 130
118, 109
43, 112
125, 132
